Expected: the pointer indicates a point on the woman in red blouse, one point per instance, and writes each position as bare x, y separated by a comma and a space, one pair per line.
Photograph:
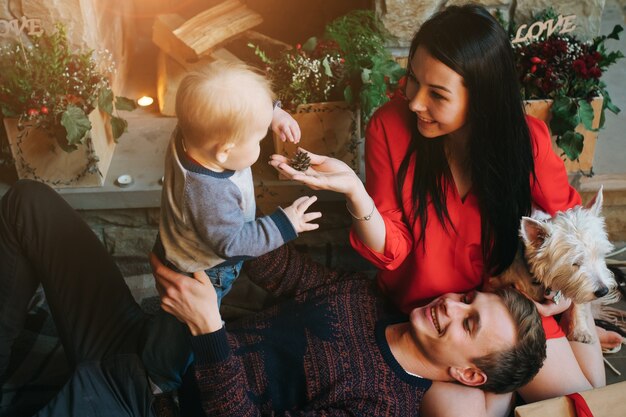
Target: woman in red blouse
451, 166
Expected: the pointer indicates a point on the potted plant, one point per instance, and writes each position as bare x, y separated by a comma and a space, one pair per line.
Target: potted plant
333, 84
59, 111
560, 78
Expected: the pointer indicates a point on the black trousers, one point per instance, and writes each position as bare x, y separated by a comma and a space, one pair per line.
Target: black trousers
103, 330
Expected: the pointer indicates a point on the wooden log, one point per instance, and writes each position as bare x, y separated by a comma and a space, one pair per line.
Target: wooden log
163, 36
203, 34
197, 37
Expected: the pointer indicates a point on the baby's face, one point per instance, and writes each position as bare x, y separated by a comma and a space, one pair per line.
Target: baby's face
246, 151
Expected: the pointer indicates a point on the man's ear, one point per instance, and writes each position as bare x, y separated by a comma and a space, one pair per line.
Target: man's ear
472, 377
223, 151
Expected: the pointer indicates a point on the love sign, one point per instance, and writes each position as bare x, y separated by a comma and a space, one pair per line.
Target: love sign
23, 24
562, 24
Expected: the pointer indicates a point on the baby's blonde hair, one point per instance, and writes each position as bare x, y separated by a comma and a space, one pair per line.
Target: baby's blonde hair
219, 102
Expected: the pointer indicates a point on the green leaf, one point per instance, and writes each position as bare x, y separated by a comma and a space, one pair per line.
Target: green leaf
610, 105
617, 29
585, 113
347, 94
571, 143
564, 115
105, 101
124, 103
310, 44
326, 66
258, 52
563, 107
365, 75
118, 127
76, 123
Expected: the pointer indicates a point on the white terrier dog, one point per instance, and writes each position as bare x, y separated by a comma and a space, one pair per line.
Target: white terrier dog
564, 255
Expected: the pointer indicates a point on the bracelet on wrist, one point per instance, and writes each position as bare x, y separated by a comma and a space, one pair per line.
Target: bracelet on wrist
364, 218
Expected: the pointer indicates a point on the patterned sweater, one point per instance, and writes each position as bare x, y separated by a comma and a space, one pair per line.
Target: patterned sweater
322, 351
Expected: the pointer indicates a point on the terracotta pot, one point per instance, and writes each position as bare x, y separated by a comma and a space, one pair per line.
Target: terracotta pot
38, 156
541, 110
330, 128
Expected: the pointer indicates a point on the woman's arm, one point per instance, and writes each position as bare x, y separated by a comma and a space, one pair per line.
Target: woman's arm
551, 190
448, 399
332, 174
569, 366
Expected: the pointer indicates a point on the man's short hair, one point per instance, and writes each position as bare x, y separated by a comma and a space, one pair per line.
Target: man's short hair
219, 101
512, 368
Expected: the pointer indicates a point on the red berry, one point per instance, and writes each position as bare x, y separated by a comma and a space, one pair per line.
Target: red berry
33, 112
44, 110
298, 46
535, 60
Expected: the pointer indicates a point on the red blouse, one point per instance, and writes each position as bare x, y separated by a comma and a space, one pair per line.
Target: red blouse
410, 273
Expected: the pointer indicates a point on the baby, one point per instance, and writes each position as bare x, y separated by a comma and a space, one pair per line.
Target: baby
207, 205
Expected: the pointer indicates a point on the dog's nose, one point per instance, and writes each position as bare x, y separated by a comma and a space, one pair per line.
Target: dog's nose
601, 292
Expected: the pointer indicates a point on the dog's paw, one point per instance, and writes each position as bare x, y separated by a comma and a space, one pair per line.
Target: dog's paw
582, 336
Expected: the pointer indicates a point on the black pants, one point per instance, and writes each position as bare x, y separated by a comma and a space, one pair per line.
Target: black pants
43, 240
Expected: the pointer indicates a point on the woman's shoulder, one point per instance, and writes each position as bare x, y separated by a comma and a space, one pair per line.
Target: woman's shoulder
392, 117
396, 109
537, 128
539, 136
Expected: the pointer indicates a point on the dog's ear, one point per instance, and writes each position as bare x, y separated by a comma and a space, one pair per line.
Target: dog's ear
533, 232
595, 204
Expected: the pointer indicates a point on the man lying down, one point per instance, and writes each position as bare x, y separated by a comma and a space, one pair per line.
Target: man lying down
335, 346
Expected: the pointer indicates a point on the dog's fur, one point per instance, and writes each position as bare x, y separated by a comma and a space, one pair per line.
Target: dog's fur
567, 253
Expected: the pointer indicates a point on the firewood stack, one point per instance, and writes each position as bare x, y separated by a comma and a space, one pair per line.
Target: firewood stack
189, 45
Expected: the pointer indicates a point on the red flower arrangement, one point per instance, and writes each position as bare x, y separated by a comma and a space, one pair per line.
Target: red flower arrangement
567, 70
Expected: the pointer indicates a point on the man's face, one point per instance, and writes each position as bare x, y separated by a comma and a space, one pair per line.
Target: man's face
455, 329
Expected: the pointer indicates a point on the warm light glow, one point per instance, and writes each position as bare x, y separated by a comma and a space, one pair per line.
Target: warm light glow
145, 101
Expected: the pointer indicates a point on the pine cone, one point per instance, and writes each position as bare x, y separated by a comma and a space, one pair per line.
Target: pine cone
300, 161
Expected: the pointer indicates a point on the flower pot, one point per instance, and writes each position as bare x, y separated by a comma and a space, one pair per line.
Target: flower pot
38, 156
330, 128
541, 110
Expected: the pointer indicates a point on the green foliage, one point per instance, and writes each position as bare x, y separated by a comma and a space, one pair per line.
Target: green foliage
76, 124
49, 85
350, 62
567, 70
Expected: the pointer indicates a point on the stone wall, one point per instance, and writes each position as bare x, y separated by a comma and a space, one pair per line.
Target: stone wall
403, 17
90, 24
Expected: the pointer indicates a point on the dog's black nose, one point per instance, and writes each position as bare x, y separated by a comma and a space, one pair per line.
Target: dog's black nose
601, 292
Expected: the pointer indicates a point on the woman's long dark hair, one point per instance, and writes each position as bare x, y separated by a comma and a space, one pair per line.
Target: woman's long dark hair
471, 42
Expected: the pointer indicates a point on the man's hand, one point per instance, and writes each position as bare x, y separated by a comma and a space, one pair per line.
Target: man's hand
191, 300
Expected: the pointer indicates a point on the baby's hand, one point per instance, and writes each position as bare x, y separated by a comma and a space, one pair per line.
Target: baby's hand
298, 216
285, 126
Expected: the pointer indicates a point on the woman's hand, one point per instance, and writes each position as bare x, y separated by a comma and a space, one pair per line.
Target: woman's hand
325, 173
555, 304
191, 300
